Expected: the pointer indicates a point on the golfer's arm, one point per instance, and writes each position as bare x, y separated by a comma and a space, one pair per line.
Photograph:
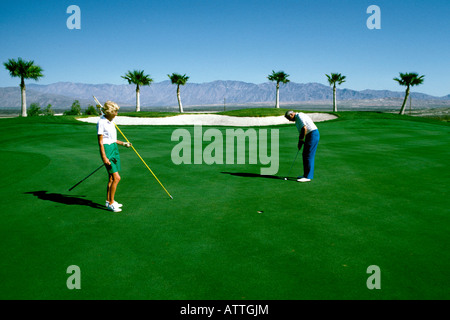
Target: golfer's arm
102, 149
123, 143
302, 134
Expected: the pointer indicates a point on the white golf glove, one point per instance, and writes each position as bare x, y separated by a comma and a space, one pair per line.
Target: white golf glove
127, 144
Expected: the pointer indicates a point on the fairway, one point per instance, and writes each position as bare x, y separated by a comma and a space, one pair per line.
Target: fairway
379, 197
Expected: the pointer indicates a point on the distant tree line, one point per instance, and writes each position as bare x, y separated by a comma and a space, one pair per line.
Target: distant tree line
28, 70
75, 110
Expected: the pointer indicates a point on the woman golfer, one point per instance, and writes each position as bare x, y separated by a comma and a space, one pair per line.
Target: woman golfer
109, 152
309, 137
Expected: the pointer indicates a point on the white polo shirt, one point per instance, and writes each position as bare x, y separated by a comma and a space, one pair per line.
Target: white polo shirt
302, 120
107, 129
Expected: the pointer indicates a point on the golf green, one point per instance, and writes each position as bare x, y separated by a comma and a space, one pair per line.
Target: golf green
379, 197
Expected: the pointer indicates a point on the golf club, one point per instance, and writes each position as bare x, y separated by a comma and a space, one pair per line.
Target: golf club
138, 154
292, 164
112, 159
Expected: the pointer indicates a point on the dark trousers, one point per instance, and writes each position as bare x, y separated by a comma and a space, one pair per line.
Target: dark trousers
309, 153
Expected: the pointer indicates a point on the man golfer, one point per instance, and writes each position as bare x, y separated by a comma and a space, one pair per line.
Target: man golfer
109, 152
309, 138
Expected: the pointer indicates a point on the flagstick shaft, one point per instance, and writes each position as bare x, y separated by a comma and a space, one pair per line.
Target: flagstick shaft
144, 162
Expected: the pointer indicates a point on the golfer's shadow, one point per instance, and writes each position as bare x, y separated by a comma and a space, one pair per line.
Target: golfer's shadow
255, 175
65, 199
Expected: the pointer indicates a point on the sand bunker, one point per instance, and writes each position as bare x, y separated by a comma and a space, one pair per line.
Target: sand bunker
209, 120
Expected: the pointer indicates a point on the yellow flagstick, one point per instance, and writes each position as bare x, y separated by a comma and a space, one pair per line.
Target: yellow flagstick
138, 155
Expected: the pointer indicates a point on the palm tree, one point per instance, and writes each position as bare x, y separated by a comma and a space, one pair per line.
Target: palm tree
279, 76
24, 70
334, 78
408, 80
178, 79
138, 78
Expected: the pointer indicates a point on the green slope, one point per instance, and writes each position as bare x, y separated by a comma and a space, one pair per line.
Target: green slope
379, 198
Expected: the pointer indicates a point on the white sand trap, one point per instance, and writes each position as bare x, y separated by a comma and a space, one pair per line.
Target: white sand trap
209, 120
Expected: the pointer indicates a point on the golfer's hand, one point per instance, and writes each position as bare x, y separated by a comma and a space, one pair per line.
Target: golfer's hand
127, 144
300, 144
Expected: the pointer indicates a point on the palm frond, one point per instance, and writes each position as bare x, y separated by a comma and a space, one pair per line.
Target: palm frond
178, 79
279, 76
335, 78
138, 77
410, 79
23, 69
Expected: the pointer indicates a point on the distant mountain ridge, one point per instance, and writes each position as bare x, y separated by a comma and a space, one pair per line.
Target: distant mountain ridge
163, 94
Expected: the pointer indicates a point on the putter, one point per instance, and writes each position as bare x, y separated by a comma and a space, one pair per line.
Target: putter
138, 155
112, 159
292, 164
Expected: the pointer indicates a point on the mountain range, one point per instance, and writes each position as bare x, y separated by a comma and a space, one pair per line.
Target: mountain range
163, 94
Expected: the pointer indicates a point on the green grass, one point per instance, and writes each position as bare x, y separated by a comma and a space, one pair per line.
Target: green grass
380, 197
445, 118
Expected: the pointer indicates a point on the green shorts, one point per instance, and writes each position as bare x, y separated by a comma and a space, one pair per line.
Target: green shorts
112, 152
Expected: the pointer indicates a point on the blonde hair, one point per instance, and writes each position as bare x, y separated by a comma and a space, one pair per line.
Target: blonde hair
110, 107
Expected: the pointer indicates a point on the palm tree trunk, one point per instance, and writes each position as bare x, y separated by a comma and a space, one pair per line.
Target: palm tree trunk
277, 101
179, 99
402, 110
138, 101
334, 99
24, 97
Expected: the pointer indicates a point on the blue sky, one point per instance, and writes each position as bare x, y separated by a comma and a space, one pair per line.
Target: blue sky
231, 40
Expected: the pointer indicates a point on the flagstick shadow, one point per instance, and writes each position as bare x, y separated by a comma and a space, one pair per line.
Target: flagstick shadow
255, 175
65, 199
